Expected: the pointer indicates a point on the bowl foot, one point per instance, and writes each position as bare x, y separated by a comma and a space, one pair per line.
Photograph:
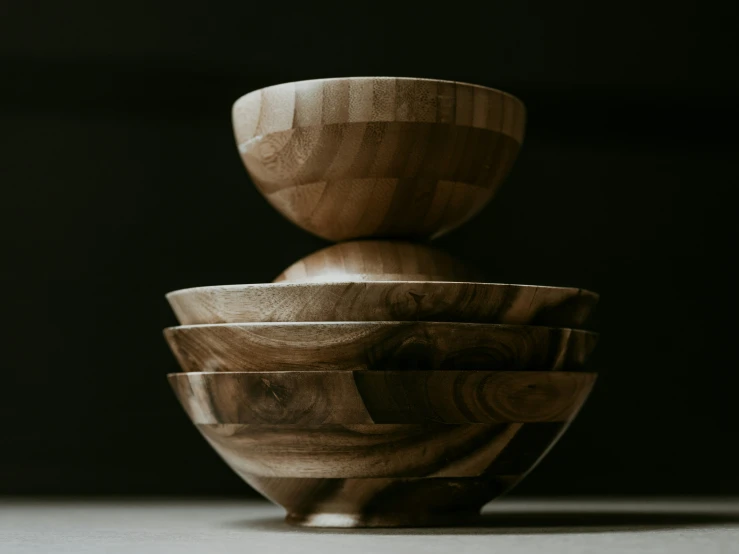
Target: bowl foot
388, 519
380, 502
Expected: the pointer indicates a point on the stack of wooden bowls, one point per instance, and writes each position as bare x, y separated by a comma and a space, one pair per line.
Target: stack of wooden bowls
379, 381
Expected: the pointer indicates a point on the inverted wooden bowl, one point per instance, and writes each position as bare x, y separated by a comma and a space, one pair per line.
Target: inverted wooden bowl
377, 345
378, 260
378, 156
349, 449
385, 301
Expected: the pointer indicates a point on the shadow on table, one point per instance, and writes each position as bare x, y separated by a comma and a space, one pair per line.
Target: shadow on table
535, 522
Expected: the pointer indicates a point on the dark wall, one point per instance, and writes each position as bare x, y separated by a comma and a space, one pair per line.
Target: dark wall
121, 181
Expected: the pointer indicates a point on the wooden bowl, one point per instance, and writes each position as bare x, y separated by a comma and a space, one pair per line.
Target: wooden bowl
378, 260
378, 156
378, 345
385, 301
382, 448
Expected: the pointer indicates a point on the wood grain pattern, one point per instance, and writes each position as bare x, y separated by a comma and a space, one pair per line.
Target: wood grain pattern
350, 451
378, 260
383, 397
378, 156
377, 346
388, 301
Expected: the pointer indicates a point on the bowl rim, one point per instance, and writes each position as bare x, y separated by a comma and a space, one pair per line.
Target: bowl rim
467, 324
315, 284
520, 102
535, 372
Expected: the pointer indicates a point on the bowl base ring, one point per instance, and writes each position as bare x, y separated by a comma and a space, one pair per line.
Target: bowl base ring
451, 518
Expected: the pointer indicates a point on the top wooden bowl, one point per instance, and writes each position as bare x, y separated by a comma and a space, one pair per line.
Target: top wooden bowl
378, 156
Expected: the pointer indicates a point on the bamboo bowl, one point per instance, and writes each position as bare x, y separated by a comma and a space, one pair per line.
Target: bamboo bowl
378, 156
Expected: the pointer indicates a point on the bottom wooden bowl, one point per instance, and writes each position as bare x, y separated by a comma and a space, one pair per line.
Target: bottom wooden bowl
396, 448
407, 501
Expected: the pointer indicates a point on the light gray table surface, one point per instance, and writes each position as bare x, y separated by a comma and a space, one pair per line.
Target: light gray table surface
511, 527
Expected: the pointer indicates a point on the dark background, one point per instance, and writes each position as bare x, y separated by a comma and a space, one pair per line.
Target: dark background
121, 181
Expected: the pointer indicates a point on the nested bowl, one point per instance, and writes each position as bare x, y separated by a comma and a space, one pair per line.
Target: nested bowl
382, 448
378, 345
378, 156
385, 301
